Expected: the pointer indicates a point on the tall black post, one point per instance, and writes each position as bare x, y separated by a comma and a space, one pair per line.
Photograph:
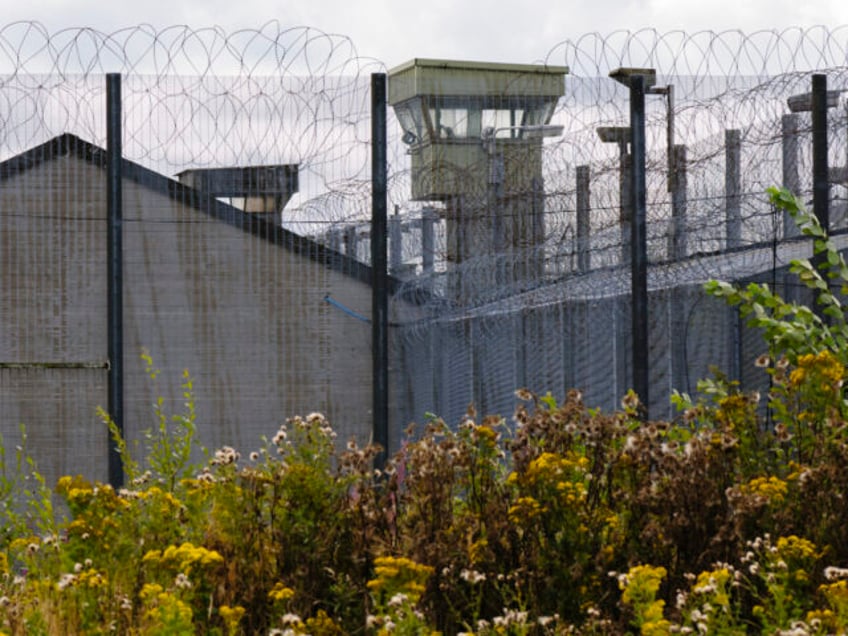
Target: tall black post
639, 241
379, 263
821, 187
114, 266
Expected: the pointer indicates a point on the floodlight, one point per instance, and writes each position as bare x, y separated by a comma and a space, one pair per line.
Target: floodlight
614, 134
804, 102
409, 138
623, 74
543, 130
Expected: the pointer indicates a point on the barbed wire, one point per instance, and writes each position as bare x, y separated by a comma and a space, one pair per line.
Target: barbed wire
199, 98
711, 58
196, 98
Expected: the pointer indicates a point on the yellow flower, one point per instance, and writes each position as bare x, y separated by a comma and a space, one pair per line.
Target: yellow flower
571, 493
232, 616
734, 408
486, 433
823, 369
29, 545
184, 557
641, 580
771, 488
399, 575
280, 593
563, 474
525, 509
793, 547
91, 578
67, 483
322, 625
825, 622
150, 591
836, 594
640, 586
660, 627
477, 551
80, 495
715, 584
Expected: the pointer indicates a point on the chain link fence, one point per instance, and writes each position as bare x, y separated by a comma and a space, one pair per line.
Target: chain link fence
262, 291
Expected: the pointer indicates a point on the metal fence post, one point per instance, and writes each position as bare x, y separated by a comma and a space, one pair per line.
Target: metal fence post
114, 266
379, 263
821, 184
733, 187
638, 241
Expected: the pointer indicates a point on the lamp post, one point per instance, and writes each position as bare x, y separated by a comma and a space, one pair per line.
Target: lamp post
379, 269
638, 80
817, 103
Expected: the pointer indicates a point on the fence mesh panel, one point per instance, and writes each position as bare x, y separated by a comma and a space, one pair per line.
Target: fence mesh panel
261, 286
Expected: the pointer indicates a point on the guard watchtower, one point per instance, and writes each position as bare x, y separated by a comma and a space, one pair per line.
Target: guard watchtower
474, 133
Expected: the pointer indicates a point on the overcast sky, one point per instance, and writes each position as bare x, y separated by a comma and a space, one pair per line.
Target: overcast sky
394, 31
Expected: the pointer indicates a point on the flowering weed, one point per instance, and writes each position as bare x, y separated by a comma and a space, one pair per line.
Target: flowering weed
722, 521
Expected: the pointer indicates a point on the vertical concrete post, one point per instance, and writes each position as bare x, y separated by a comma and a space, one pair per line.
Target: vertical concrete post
678, 244
334, 240
733, 187
351, 241
625, 196
395, 243
791, 180
583, 221
536, 242
496, 209
428, 240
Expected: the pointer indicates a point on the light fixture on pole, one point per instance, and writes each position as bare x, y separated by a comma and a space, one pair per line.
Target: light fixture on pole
817, 102
638, 80
525, 132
